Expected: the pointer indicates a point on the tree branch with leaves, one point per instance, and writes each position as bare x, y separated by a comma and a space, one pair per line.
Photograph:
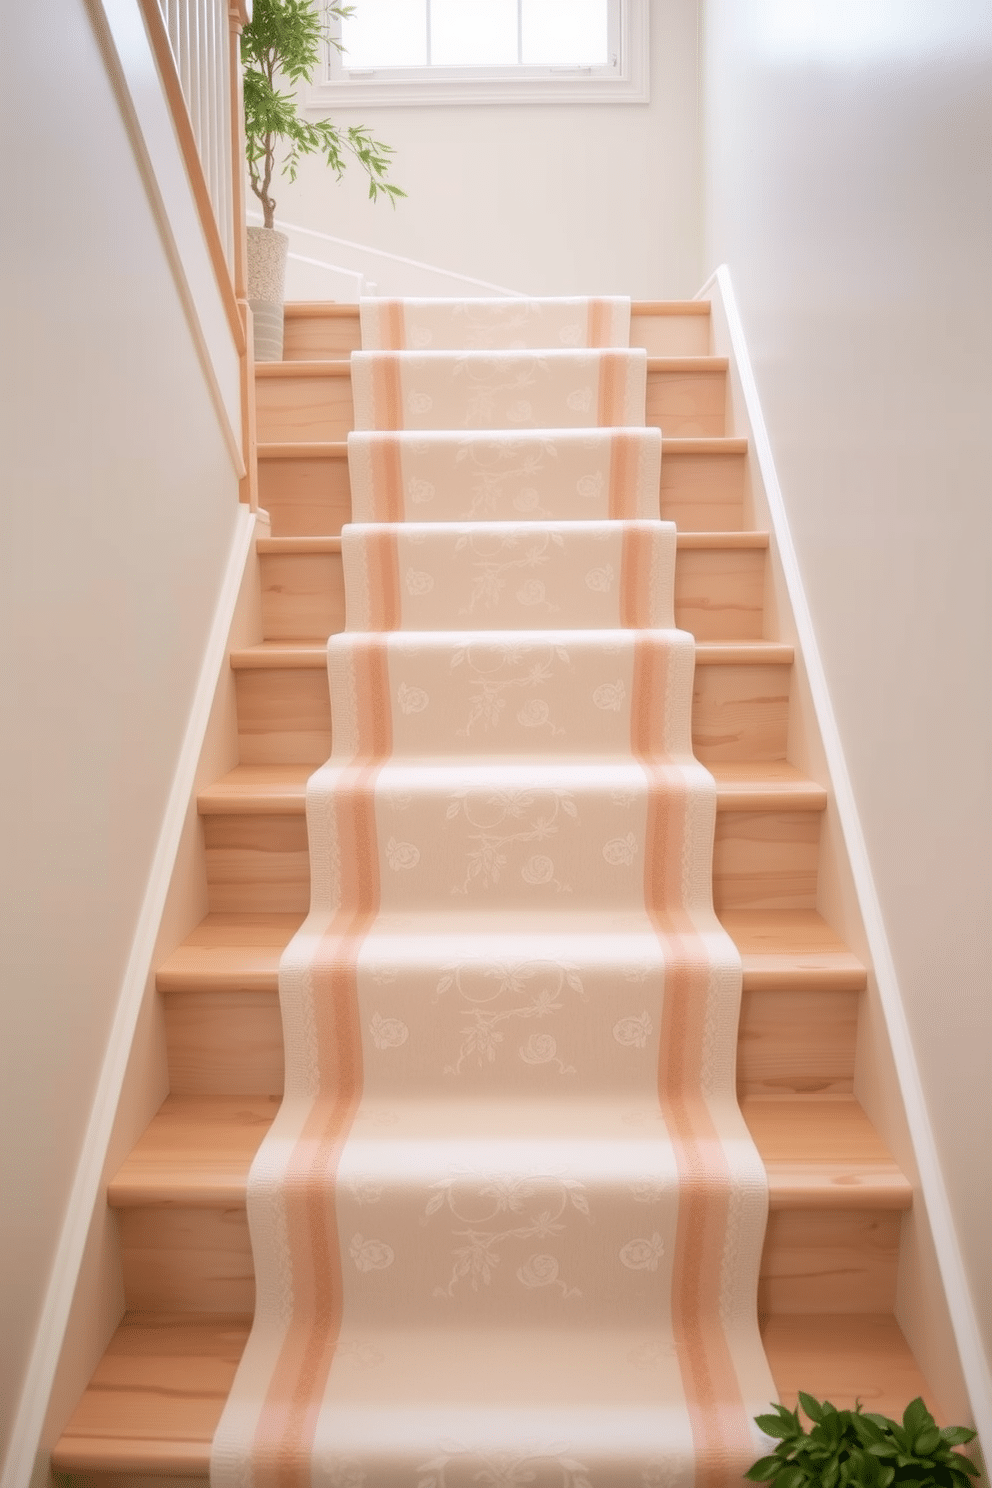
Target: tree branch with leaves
283, 41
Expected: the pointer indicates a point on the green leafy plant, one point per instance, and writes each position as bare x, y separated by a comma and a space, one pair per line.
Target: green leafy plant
283, 41
862, 1449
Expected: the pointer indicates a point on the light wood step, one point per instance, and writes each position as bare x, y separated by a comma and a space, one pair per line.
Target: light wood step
297, 400
765, 855
156, 1397
738, 541
305, 488
797, 1032
267, 790
781, 950
740, 702
719, 586
820, 1152
831, 1244
317, 329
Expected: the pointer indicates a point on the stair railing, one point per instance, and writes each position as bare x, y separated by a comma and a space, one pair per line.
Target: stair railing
197, 49
199, 38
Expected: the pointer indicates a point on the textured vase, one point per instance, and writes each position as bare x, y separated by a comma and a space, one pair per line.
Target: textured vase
267, 250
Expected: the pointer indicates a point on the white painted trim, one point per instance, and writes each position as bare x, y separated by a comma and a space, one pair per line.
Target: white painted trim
961, 1305
134, 76
255, 219
19, 1463
628, 82
318, 263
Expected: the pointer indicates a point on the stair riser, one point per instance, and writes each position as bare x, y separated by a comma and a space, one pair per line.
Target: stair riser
230, 1043
766, 859
685, 405
818, 1261
309, 497
198, 1260
738, 713
719, 594
305, 497
761, 860
702, 493
302, 596
799, 1042
180, 1259
284, 717
315, 337
224, 1043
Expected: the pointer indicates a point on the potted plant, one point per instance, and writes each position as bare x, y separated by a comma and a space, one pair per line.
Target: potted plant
859, 1449
282, 43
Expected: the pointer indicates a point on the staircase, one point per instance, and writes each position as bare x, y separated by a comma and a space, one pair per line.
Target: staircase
828, 1279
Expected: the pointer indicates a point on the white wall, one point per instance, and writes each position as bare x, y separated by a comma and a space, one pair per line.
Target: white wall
545, 199
847, 187
120, 500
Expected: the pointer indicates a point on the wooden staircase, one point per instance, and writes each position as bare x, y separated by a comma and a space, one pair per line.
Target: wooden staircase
828, 1280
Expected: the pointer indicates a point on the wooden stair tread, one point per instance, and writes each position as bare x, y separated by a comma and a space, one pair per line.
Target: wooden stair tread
784, 949
266, 790
341, 310
156, 1397
341, 366
337, 449
315, 449
820, 1152
196, 1150
746, 785
282, 546
230, 952
736, 540
321, 309
326, 367
843, 1358
739, 541
257, 790
313, 655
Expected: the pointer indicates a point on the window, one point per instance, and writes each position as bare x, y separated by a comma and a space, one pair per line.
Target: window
487, 51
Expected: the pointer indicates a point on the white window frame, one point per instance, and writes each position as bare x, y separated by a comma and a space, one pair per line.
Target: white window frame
628, 82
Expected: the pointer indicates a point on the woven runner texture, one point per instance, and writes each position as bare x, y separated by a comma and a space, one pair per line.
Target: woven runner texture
508, 1221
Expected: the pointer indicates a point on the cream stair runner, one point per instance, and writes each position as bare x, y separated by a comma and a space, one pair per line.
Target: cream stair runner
507, 1223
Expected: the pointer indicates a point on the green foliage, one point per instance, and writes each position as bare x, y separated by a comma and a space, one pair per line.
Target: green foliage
856, 1449
283, 39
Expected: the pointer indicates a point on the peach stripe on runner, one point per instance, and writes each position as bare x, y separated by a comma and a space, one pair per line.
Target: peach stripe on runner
387, 478
287, 1422
598, 322
395, 337
612, 385
387, 403
635, 577
383, 579
624, 451
720, 1424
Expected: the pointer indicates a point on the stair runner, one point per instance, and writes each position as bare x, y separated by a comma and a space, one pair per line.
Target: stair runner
508, 1221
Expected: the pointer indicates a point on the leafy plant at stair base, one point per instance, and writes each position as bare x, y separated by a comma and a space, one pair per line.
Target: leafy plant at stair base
283, 39
859, 1449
